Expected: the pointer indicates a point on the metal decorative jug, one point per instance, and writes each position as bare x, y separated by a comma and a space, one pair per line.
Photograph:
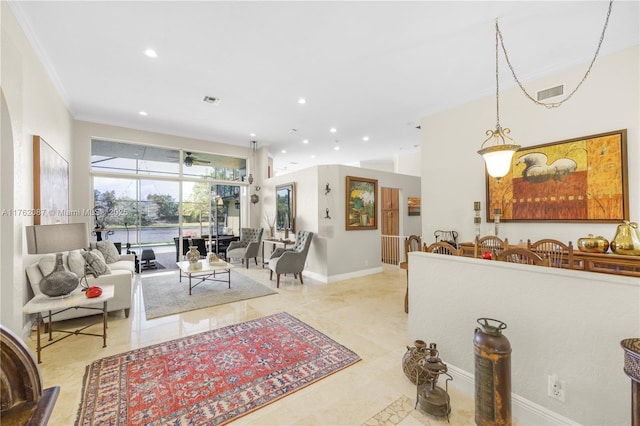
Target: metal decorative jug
627, 239
410, 362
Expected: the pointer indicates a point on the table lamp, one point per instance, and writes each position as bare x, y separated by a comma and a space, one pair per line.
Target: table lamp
43, 239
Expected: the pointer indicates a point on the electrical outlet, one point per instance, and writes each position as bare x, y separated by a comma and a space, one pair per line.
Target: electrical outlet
556, 388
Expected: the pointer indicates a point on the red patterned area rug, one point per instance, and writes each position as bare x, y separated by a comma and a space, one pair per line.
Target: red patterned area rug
210, 378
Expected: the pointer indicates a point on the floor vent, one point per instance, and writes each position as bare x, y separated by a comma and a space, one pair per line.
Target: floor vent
551, 92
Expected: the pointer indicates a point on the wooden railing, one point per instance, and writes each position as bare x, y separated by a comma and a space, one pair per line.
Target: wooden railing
393, 249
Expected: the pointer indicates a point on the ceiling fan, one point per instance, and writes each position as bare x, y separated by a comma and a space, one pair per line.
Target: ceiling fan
190, 160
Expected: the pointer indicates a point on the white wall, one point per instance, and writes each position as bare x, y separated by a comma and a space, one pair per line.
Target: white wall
563, 322
335, 253
408, 162
453, 172
34, 107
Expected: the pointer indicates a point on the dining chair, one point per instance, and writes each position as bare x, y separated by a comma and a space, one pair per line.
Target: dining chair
560, 255
490, 243
412, 243
522, 255
443, 247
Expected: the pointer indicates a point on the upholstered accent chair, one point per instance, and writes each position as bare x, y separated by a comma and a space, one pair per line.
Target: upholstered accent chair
247, 247
291, 261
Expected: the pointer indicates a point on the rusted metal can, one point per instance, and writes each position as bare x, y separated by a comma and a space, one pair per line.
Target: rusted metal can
492, 373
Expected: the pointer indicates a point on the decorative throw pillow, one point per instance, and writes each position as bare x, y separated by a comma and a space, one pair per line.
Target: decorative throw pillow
109, 250
96, 265
76, 262
48, 262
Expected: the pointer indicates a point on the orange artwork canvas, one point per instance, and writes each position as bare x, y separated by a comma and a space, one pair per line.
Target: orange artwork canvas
578, 180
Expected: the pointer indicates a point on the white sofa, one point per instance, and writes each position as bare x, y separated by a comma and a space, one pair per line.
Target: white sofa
121, 276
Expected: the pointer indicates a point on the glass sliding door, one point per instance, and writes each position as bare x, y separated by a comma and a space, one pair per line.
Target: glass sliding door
153, 199
117, 210
159, 208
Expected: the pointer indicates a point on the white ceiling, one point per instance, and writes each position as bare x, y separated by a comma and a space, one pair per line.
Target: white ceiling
366, 68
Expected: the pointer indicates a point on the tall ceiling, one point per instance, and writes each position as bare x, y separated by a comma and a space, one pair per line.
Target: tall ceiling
365, 68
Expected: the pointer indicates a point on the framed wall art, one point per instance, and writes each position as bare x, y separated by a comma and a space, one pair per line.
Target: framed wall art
413, 206
577, 180
361, 204
50, 184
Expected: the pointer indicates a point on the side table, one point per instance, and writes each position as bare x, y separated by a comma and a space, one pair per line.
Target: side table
275, 243
75, 300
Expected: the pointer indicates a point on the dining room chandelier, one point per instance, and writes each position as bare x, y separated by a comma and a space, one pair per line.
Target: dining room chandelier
498, 154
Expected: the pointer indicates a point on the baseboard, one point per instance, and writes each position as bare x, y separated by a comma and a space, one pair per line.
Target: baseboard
524, 411
333, 278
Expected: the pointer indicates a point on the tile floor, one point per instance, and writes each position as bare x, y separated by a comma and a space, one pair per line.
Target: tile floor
364, 314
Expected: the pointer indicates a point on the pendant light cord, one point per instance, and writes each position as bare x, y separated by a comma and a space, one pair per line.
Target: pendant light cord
515, 77
497, 81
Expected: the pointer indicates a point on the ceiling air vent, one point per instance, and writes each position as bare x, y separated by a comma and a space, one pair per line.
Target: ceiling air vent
551, 92
211, 100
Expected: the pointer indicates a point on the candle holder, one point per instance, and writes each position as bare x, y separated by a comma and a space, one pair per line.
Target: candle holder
477, 219
496, 220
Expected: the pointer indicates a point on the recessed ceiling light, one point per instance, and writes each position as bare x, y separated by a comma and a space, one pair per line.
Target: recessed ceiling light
143, 113
151, 53
337, 148
253, 135
366, 138
305, 141
302, 101
313, 156
333, 130
284, 151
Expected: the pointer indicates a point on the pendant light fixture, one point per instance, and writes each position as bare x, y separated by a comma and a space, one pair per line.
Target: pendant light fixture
254, 149
498, 154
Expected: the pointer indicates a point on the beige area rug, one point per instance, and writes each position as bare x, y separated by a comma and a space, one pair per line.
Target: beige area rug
164, 295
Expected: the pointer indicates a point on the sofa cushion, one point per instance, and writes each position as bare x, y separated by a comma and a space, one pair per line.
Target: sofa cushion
75, 262
48, 262
126, 265
95, 263
109, 250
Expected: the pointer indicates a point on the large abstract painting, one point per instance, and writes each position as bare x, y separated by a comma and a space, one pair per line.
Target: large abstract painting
50, 184
576, 180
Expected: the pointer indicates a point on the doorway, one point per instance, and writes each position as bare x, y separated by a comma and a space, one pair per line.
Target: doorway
390, 225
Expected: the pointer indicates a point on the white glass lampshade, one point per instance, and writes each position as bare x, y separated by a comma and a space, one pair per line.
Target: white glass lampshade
498, 159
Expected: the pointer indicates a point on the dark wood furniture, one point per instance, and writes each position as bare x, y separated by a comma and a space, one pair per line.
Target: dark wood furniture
24, 402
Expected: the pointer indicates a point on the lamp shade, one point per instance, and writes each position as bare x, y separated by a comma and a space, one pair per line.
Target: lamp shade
498, 159
42, 239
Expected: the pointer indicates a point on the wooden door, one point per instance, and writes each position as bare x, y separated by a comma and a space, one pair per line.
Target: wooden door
390, 225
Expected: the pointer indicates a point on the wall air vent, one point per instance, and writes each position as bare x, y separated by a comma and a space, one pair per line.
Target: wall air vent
550, 92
